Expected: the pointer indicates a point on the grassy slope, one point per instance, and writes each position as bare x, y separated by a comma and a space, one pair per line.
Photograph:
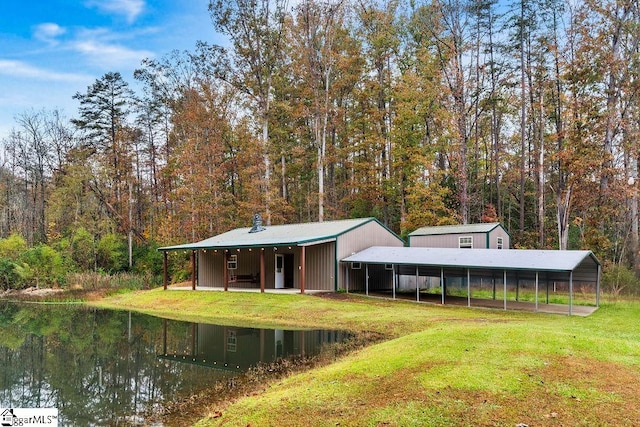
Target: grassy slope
441, 366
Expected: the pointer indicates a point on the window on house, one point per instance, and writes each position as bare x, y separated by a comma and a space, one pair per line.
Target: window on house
356, 266
465, 242
499, 243
232, 341
232, 262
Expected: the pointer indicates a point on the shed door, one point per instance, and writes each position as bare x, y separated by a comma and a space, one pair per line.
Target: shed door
279, 271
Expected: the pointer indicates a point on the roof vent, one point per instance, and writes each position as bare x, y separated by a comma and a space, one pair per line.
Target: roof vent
257, 224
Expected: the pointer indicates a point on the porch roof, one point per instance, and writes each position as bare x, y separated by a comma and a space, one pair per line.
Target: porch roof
277, 235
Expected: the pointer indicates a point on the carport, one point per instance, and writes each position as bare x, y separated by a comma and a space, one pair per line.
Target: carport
510, 276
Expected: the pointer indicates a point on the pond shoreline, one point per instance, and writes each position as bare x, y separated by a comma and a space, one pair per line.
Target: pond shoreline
437, 365
210, 404
161, 354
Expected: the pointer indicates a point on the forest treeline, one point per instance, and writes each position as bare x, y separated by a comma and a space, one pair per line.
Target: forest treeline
414, 112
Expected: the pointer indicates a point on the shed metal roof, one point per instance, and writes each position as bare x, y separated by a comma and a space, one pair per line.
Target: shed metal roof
277, 235
515, 259
456, 229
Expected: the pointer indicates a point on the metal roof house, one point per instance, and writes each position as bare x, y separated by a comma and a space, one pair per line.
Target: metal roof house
296, 256
468, 236
490, 274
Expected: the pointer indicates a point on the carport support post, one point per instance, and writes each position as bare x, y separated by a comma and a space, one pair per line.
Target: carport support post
366, 279
346, 282
417, 286
598, 288
468, 288
165, 270
504, 279
570, 293
442, 284
393, 281
536, 291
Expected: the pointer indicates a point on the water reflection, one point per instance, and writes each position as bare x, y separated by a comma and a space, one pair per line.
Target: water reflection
234, 349
103, 367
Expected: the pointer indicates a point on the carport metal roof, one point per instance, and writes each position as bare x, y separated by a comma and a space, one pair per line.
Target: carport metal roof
564, 265
498, 259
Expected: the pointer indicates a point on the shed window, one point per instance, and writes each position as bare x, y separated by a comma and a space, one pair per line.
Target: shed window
232, 262
499, 243
465, 242
356, 266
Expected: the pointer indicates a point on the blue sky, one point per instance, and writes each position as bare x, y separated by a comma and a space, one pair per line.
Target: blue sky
51, 49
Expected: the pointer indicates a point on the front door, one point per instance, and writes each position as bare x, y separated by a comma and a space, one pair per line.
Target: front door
279, 271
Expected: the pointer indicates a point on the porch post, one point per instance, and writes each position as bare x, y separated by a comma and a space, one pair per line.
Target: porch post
193, 270
225, 272
262, 270
165, 272
303, 274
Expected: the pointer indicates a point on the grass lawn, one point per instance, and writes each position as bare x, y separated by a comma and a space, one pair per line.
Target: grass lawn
440, 366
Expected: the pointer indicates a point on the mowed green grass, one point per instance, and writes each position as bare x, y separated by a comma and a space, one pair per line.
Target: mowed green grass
439, 366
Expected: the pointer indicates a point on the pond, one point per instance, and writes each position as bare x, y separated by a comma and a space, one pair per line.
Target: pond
102, 367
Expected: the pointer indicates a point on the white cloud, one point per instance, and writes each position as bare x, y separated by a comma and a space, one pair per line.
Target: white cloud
109, 55
130, 9
23, 70
48, 32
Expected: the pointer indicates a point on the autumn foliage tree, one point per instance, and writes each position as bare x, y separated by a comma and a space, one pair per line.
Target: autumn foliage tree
418, 113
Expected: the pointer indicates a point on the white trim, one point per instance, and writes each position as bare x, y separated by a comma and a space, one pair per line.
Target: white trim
232, 262
466, 245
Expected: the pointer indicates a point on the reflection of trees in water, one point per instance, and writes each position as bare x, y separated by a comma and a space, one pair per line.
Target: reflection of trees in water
90, 364
100, 367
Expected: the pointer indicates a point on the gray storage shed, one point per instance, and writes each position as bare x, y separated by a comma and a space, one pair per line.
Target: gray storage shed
468, 236
482, 273
299, 256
